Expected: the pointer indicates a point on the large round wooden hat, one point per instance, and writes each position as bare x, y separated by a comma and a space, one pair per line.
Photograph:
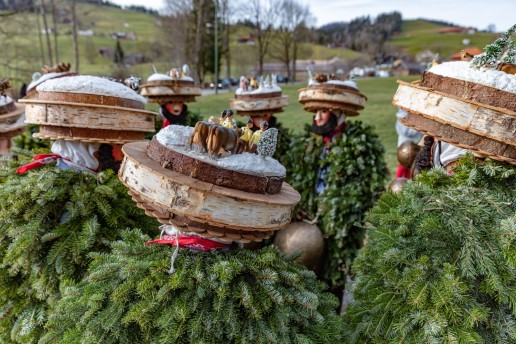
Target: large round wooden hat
467, 107
332, 95
11, 118
267, 98
175, 86
88, 109
199, 195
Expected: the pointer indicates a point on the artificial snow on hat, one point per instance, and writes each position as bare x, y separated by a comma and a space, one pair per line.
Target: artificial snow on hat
255, 98
12, 119
326, 92
89, 109
469, 104
60, 70
175, 86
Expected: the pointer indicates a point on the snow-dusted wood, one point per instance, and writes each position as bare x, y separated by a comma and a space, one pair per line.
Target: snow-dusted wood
204, 202
484, 120
64, 114
160, 91
259, 103
336, 97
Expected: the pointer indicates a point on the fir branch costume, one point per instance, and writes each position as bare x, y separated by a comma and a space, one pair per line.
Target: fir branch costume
50, 220
235, 296
439, 264
355, 178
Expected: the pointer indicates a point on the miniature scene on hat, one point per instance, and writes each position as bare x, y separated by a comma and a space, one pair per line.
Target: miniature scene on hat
162, 186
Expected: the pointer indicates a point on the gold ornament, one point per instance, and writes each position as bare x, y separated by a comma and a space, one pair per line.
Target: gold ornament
305, 237
397, 184
407, 152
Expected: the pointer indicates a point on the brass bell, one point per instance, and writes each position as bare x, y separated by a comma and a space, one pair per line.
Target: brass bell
397, 184
305, 237
407, 152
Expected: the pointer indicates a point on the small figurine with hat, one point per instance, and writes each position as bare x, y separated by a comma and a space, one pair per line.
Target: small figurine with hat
245, 139
257, 135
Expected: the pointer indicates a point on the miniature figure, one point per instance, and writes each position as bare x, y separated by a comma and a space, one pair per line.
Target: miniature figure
257, 135
229, 121
243, 143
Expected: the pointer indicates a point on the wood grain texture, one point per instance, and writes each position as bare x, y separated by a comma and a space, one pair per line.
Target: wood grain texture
204, 202
481, 145
204, 171
470, 91
258, 104
332, 97
88, 116
97, 99
89, 135
481, 119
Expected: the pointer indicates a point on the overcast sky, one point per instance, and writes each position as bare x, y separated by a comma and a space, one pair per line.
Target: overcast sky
476, 13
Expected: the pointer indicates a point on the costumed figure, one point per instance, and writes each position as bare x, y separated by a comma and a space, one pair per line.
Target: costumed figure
439, 262
260, 101
245, 139
257, 135
61, 206
172, 91
195, 283
12, 119
339, 167
229, 121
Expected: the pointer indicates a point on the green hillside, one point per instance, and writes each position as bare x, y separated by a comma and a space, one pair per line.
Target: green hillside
419, 35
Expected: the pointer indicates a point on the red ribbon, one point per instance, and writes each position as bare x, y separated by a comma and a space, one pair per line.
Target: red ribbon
189, 241
39, 160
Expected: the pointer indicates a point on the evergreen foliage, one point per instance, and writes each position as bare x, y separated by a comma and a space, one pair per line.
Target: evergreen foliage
493, 52
27, 141
439, 265
355, 179
236, 296
50, 220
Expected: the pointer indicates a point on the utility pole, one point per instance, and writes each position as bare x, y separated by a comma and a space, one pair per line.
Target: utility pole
216, 83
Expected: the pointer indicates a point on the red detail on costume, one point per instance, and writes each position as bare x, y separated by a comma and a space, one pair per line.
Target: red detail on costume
337, 131
189, 241
402, 172
117, 152
166, 123
39, 160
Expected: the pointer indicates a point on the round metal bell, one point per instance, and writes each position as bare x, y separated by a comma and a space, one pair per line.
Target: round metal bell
305, 237
407, 152
397, 184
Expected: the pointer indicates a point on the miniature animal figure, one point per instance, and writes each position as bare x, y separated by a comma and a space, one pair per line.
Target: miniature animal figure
465, 56
133, 82
61, 67
223, 139
5, 84
174, 73
201, 134
320, 78
508, 68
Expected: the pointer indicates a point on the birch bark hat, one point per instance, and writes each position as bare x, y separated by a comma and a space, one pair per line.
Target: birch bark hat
12, 119
469, 104
326, 93
175, 86
89, 109
236, 198
260, 98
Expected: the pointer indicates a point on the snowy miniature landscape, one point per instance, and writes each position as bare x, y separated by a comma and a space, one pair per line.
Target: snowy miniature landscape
90, 85
177, 138
349, 83
164, 77
489, 77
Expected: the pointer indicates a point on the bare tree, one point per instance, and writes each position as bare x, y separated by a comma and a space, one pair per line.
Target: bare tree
45, 27
285, 44
73, 8
54, 24
225, 15
264, 15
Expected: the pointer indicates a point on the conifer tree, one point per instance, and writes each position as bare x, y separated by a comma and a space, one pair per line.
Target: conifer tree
50, 220
356, 173
234, 296
440, 260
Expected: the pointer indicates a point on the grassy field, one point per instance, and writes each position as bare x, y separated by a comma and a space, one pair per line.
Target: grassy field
378, 112
419, 35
